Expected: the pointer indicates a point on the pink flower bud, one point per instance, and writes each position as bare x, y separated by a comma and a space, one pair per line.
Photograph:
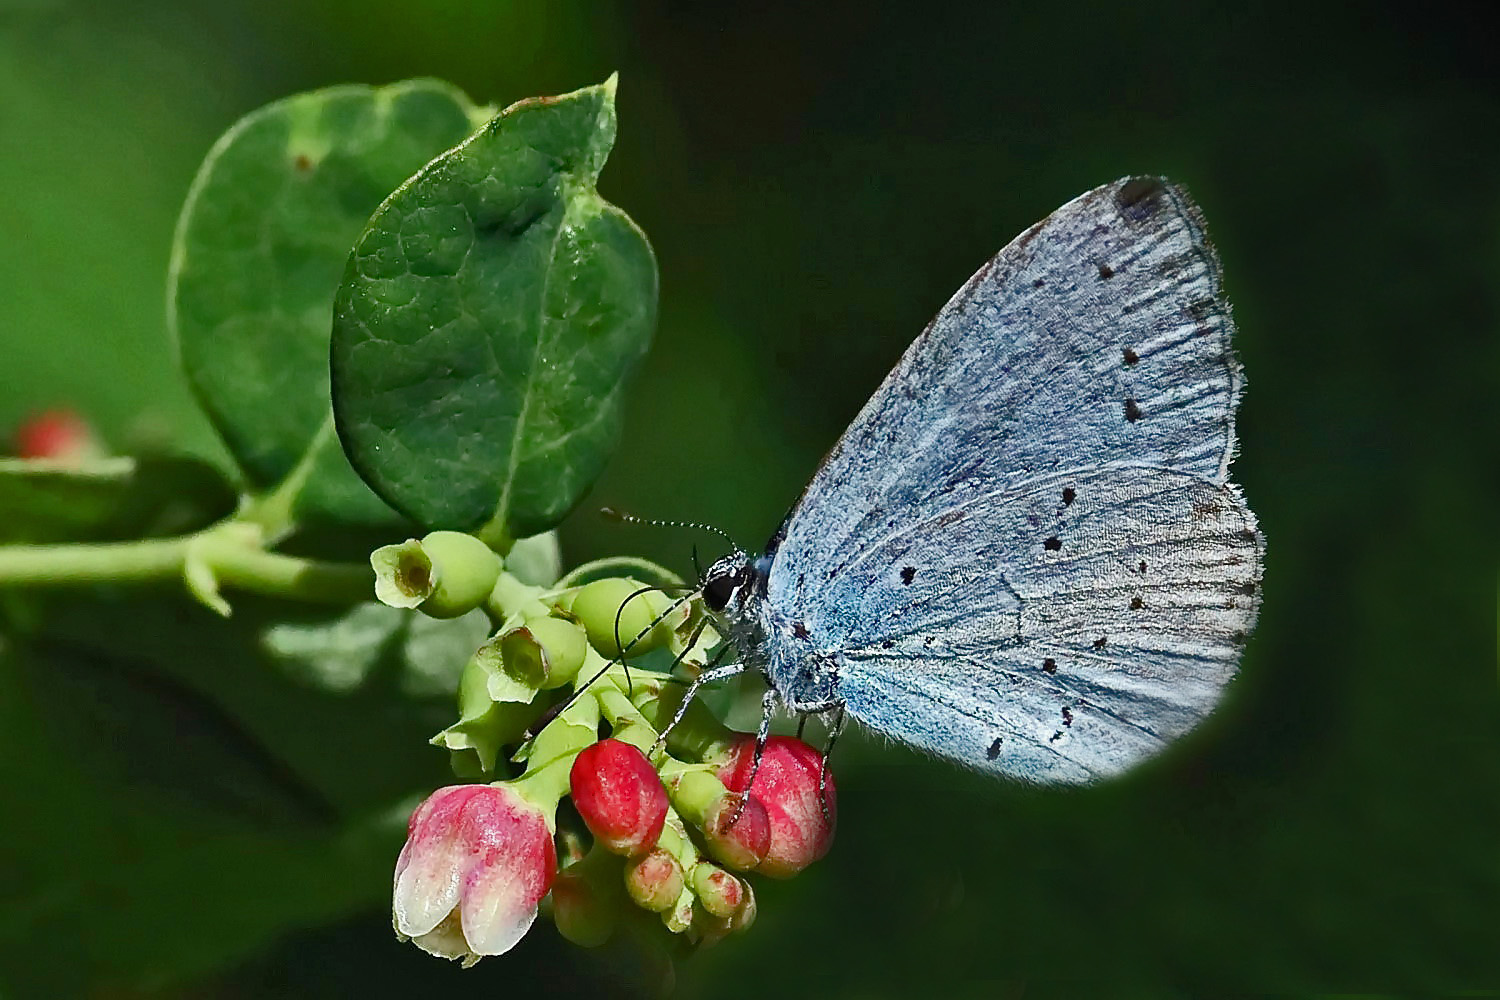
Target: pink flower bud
477, 861
787, 785
61, 435
654, 881
738, 832
619, 796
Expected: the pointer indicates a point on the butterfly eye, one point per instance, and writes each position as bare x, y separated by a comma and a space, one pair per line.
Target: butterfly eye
718, 590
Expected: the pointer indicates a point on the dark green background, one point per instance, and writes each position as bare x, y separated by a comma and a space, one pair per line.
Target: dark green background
815, 185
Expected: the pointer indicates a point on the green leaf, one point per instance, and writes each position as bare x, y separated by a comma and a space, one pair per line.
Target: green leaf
108, 498
487, 323
259, 251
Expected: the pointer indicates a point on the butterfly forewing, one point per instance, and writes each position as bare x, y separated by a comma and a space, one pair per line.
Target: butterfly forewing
1101, 335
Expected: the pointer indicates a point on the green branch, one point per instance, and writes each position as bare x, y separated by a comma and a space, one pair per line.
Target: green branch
229, 553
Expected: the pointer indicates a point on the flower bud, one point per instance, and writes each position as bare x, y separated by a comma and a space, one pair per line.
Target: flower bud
478, 860
737, 831
545, 651
446, 574
619, 796
597, 605
720, 892
787, 785
586, 899
654, 881
57, 435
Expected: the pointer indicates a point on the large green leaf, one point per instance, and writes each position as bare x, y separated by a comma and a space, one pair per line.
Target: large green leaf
259, 252
488, 320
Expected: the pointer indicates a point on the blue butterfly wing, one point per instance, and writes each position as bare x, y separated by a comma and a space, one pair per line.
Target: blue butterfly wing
1051, 640
1095, 344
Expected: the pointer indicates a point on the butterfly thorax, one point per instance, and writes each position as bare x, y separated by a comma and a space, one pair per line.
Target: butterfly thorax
782, 651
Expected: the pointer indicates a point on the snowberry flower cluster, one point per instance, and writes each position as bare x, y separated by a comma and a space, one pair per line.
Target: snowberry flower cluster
668, 827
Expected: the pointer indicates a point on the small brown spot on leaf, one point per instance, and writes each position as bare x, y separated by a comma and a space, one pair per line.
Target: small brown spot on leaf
1069, 495
1132, 412
1052, 544
1105, 271
1136, 604
1142, 567
302, 162
908, 574
1049, 666
1038, 283
1131, 357
799, 630
1101, 642
1067, 717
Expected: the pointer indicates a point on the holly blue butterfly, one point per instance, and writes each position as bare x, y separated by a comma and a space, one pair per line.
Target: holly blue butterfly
1025, 554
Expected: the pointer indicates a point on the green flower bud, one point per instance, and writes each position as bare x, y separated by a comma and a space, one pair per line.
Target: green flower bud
485, 723
720, 892
587, 898
544, 652
464, 571
597, 605
446, 574
654, 881
403, 574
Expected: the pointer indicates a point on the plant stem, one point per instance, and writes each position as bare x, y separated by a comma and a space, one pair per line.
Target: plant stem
230, 558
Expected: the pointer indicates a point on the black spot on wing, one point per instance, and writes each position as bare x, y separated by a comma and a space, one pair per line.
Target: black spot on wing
1140, 198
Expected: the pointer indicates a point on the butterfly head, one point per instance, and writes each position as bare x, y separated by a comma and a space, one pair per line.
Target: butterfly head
729, 580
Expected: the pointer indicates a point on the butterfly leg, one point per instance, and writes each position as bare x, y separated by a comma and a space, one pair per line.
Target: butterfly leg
713, 673
762, 735
833, 735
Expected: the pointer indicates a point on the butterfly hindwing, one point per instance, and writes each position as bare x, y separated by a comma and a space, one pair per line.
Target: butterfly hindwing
1051, 640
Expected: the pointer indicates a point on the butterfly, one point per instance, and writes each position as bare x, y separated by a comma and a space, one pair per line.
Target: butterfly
1025, 554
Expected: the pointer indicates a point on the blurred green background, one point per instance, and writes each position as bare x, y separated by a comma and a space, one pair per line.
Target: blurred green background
816, 183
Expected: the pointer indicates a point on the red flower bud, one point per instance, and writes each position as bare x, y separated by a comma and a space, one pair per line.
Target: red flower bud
738, 832
478, 860
61, 435
787, 785
619, 796
654, 881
